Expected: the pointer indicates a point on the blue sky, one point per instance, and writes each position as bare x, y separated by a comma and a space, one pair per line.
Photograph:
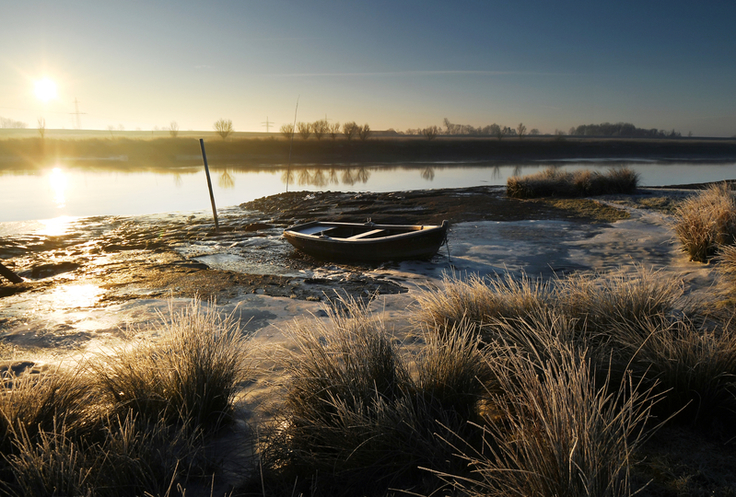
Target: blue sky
391, 64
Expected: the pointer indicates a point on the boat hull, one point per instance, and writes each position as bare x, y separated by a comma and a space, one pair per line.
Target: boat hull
369, 242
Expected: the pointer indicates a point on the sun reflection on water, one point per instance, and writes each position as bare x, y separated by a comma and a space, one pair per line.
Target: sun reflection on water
55, 227
59, 182
75, 296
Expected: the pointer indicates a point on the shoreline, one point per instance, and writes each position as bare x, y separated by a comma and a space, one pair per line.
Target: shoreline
107, 273
167, 153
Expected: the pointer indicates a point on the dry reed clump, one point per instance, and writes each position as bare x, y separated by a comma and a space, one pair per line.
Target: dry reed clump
33, 403
480, 300
553, 182
590, 302
693, 368
65, 433
555, 432
356, 420
188, 378
631, 322
627, 295
726, 262
706, 222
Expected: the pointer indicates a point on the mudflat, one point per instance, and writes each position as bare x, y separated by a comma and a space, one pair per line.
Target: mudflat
103, 279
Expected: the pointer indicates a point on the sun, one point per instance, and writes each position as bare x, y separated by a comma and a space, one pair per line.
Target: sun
45, 89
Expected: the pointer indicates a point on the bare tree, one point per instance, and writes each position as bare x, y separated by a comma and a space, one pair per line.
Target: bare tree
450, 129
42, 127
364, 132
334, 130
520, 130
319, 128
287, 130
174, 129
223, 127
534, 132
305, 129
431, 132
497, 130
349, 130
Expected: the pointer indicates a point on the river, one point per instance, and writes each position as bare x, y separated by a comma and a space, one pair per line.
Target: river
76, 189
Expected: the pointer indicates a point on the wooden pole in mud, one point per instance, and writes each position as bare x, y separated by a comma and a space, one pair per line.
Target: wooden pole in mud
293, 130
10, 275
209, 184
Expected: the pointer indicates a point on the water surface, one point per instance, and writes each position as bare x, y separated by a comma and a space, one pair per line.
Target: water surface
69, 189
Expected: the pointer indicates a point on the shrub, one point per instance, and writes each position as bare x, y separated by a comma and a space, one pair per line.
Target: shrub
223, 127
707, 221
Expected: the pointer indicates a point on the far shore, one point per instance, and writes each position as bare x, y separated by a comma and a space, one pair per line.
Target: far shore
129, 150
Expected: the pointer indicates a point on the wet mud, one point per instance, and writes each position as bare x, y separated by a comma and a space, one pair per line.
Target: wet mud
86, 279
184, 256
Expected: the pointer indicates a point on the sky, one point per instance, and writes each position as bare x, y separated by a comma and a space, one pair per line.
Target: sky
391, 64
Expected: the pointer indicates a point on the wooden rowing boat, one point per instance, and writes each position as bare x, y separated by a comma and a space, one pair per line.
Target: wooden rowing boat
366, 242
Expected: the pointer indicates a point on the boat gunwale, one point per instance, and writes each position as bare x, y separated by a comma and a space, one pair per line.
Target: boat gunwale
411, 232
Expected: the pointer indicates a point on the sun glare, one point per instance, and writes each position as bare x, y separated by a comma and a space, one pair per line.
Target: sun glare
45, 89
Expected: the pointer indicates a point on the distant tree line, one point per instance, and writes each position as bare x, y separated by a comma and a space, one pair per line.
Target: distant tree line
6, 122
322, 128
452, 129
624, 130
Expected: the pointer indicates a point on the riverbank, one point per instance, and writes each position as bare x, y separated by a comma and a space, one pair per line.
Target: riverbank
104, 283
166, 153
97, 276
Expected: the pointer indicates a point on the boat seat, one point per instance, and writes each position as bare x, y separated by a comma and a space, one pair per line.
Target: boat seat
367, 234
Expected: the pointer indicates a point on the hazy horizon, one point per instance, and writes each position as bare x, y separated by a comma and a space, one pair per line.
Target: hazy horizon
398, 65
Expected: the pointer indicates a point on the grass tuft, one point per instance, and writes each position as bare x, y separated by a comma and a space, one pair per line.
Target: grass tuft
188, 378
479, 300
694, 368
553, 182
594, 301
706, 222
132, 424
555, 433
354, 413
604, 300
